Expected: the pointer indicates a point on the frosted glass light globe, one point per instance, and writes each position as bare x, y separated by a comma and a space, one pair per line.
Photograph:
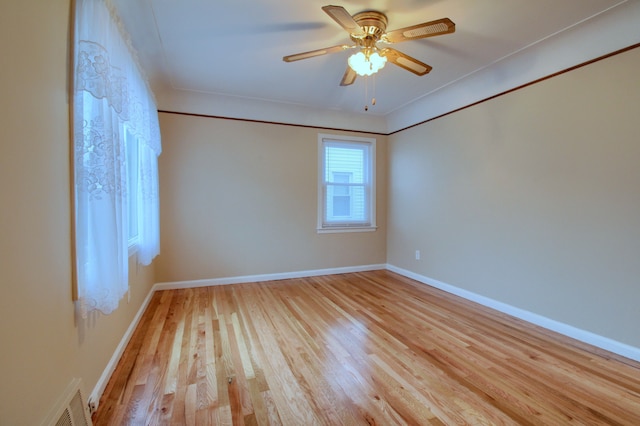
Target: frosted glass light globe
366, 66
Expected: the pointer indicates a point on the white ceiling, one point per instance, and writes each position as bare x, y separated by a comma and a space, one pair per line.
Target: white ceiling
232, 50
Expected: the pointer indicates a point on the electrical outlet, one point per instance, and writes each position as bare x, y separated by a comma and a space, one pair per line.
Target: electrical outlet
417, 254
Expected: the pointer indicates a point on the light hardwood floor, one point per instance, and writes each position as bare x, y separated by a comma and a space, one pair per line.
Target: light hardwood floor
355, 349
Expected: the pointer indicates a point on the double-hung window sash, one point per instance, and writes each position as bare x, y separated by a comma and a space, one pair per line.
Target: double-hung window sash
346, 176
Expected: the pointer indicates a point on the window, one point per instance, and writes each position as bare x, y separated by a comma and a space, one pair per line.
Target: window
116, 143
133, 179
346, 183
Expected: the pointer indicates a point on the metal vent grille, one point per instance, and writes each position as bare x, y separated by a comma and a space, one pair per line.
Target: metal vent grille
76, 406
65, 419
71, 409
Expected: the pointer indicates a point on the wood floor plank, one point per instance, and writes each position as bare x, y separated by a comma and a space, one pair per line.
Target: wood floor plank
371, 348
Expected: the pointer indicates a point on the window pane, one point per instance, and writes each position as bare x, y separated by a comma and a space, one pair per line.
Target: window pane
345, 160
341, 205
341, 177
346, 182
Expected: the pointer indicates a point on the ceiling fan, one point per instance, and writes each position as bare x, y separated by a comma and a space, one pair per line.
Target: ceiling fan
368, 28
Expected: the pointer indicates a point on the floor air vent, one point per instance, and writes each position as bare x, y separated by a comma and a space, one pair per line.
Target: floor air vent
72, 409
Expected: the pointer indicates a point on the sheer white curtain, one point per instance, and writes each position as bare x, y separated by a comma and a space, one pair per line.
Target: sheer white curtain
149, 220
110, 97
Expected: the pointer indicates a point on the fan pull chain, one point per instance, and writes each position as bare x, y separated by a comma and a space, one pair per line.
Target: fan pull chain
366, 92
373, 100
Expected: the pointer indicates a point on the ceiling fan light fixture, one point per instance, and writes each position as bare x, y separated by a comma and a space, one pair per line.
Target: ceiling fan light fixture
366, 29
366, 64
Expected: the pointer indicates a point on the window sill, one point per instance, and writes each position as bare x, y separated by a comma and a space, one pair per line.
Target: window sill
337, 229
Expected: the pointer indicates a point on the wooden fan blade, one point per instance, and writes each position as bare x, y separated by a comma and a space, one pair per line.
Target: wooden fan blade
349, 77
405, 61
427, 29
313, 53
344, 19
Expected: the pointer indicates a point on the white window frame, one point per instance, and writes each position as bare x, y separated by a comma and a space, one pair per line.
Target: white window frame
327, 227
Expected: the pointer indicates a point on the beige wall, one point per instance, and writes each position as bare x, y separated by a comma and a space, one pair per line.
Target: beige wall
43, 345
239, 198
531, 199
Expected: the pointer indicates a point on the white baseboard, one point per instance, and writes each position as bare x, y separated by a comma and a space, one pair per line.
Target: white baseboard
605, 343
265, 277
99, 388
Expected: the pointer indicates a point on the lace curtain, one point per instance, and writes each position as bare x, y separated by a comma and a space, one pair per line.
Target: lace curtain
111, 98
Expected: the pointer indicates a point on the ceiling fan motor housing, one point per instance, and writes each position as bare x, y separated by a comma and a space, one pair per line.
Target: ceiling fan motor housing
374, 25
